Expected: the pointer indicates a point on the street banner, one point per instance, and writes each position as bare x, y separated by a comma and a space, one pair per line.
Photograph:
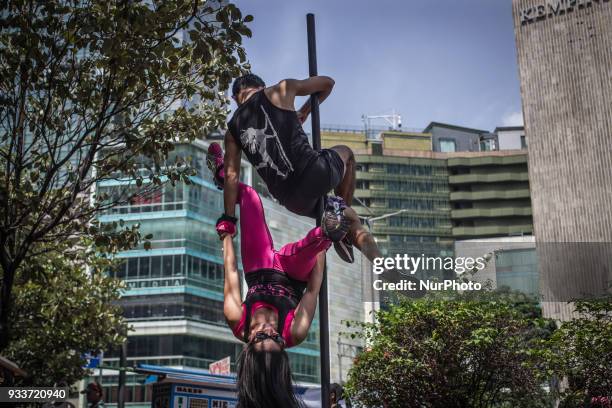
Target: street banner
221, 367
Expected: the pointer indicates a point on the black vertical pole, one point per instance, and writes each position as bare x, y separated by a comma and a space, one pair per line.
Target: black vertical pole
316, 144
122, 367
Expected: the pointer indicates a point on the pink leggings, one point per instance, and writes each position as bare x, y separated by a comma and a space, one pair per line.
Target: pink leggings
295, 259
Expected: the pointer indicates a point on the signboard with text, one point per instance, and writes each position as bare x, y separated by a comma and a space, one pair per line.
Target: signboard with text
92, 360
221, 367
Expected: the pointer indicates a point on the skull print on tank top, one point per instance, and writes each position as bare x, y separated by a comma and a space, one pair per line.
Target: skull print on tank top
274, 142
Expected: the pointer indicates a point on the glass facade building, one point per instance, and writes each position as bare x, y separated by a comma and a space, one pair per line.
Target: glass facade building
174, 296
518, 270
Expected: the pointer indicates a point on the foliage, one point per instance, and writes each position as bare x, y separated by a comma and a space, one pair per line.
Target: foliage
581, 351
61, 310
90, 89
451, 353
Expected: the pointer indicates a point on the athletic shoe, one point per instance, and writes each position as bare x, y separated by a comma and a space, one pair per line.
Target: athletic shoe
334, 208
344, 249
214, 161
334, 223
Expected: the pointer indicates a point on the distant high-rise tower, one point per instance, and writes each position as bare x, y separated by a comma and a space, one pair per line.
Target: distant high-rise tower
565, 59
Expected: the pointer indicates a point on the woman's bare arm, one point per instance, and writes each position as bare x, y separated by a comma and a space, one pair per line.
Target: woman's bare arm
305, 310
232, 302
231, 174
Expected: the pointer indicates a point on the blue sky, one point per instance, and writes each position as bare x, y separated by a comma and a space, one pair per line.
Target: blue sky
449, 61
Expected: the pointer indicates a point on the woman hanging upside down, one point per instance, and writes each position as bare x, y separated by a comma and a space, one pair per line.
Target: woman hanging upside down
283, 286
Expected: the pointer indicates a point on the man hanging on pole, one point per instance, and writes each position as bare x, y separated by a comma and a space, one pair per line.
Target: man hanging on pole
268, 129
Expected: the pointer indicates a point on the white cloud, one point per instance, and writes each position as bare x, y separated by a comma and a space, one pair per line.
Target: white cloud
513, 119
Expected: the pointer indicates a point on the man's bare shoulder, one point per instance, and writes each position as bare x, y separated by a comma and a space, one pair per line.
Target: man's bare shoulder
283, 86
282, 94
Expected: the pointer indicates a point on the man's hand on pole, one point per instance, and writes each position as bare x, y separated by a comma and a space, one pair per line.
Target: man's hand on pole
303, 113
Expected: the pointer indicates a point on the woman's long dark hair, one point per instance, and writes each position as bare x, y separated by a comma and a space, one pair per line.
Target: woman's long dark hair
264, 380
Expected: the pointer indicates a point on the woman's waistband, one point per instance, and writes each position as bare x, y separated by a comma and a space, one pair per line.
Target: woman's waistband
274, 277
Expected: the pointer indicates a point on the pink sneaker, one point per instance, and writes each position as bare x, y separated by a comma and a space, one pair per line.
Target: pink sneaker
214, 161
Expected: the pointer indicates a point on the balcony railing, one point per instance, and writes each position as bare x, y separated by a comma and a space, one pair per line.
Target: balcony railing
489, 195
491, 230
488, 178
491, 212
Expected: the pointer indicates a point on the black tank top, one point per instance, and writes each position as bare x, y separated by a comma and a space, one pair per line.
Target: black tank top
274, 142
275, 288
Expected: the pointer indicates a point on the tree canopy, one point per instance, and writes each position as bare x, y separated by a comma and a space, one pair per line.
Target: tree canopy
64, 306
90, 90
580, 351
451, 353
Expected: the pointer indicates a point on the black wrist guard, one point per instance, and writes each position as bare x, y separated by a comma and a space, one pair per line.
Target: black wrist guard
229, 218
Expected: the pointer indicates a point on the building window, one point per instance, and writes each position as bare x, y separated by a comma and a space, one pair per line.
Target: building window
487, 145
523, 142
518, 270
362, 184
143, 268
167, 265
132, 268
393, 168
156, 266
377, 149
447, 145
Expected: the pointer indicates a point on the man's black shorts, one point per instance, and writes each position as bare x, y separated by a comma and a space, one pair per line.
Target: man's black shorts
319, 178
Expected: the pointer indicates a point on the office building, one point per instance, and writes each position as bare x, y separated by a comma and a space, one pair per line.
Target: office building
509, 261
510, 138
564, 56
447, 138
422, 201
489, 194
397, 171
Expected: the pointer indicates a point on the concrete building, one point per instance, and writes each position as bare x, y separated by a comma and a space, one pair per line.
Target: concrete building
564, 57
447, 138
398, 171
443, 196
491, 209
510, 138
511, 261
489, 194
